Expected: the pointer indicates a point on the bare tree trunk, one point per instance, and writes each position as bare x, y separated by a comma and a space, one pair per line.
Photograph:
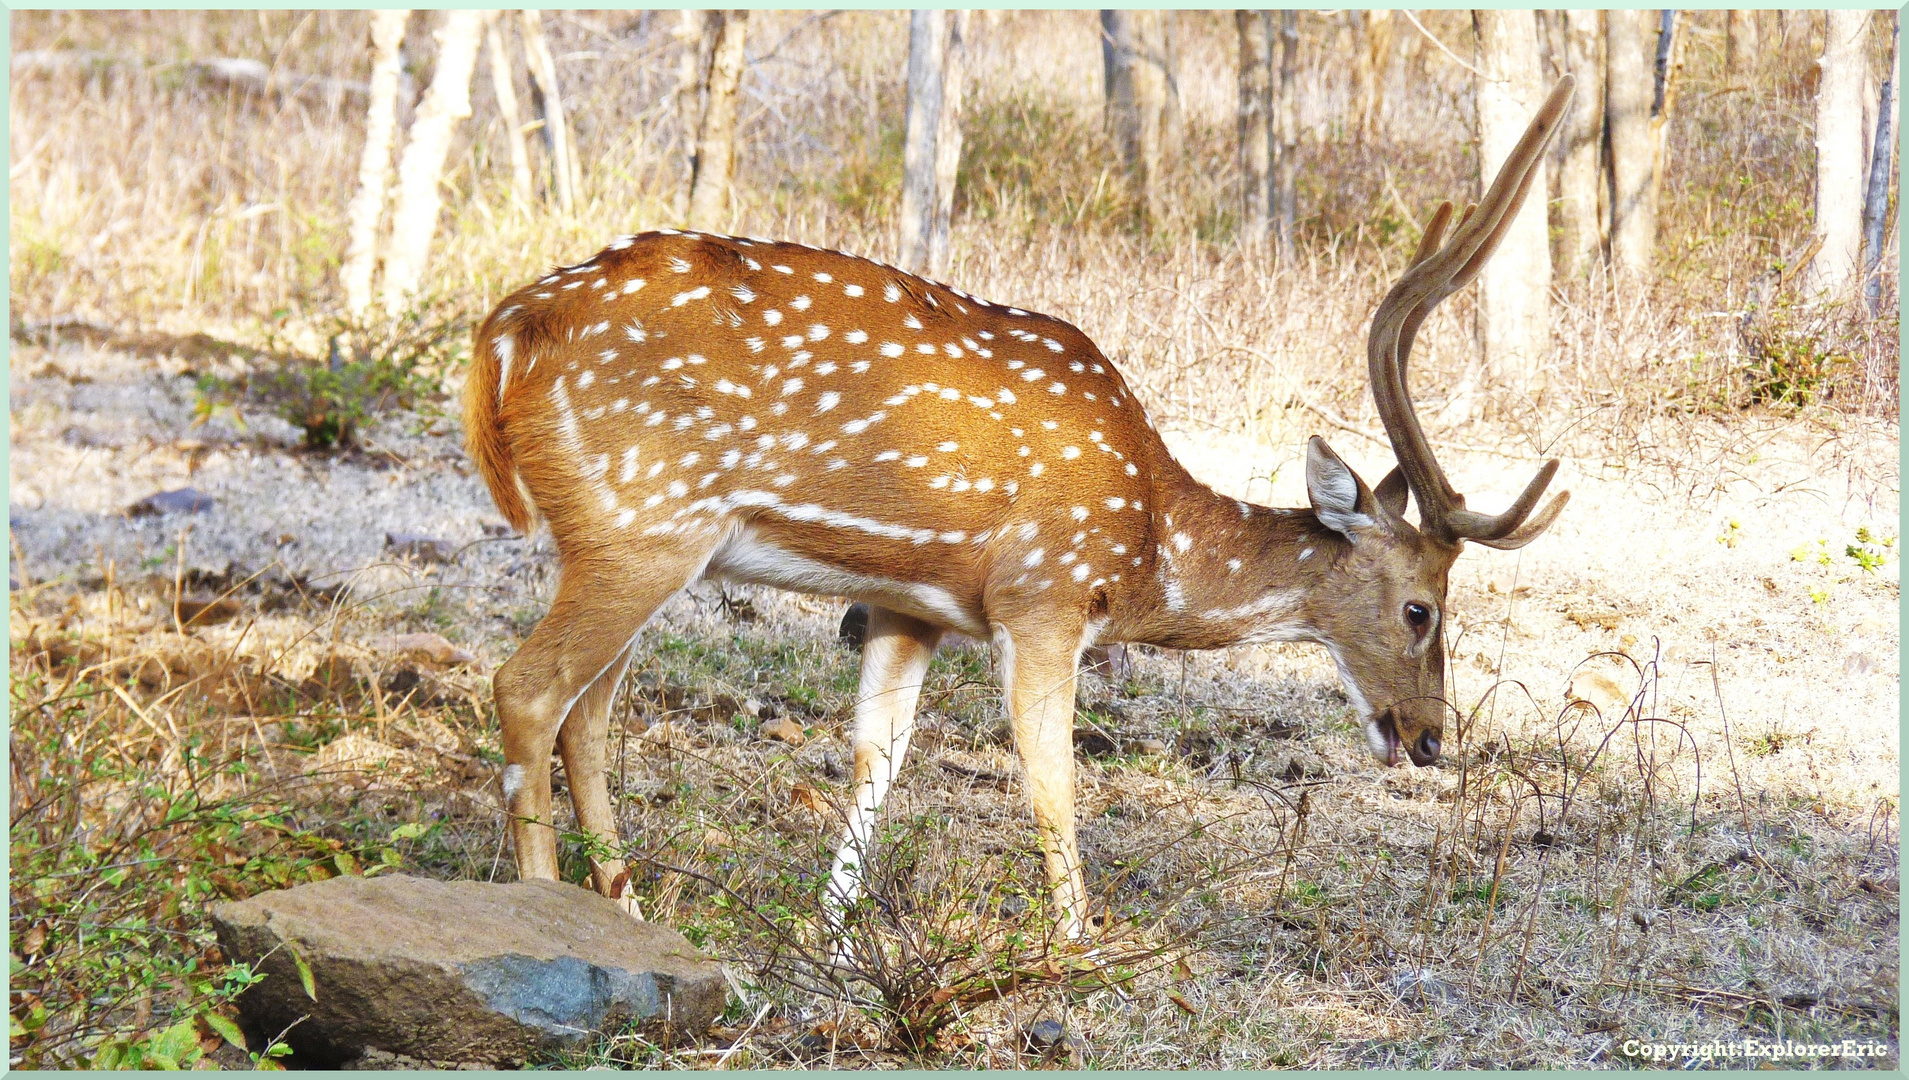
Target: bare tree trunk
1627, 102
1371, 52
548, 101
1123, 105
1839, 148
1380, 26
1285, 117
1173, 109
1740, 46
716, 144
506, 91
1673, 31
374, 167
1583, 134
1882, 149
697, 32
1150, 102
948, 139
422, 166
927, 63
1514, 289
1253, 122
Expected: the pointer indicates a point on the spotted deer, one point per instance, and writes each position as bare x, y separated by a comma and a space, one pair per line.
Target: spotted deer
686, 406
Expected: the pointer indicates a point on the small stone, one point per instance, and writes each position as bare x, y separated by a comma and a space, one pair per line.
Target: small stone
206, 610
1423, 988
751, 707
1109, 662
458, 971
1600, 691
1044, 1035
356, 753
423, 549
1149, 747
1505, 581
432, 647
181, 501
782, 730
807, 797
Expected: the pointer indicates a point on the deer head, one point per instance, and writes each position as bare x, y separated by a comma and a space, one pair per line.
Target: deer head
1384, 619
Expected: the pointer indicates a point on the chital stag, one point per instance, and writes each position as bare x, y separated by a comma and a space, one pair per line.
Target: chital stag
684, 406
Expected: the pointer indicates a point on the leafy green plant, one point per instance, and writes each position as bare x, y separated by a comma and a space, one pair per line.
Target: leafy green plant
1870, 551
370, 367
1793, 354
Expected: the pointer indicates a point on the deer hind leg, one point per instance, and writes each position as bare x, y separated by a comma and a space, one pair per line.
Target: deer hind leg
1038, 669
597, 612
894, 662
583, 742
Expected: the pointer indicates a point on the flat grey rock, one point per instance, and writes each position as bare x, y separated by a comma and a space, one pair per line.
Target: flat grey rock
458, 971
182, 501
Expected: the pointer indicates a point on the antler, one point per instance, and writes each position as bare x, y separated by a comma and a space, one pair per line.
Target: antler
1435, 273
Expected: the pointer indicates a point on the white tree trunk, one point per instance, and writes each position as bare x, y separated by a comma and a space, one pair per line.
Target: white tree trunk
445, 103
948, 139
1839, 153
1150, 106
1740, 46
507, 110
1173, 105
1583, 142
927, 62
716, 144
1371, 54
1252, 120
1514, 289
374, 168
1629, 40
548, 99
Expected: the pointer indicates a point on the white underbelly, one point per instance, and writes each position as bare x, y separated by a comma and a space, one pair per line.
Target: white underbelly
746, 558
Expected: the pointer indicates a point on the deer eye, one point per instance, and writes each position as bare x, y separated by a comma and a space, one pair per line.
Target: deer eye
1418, 615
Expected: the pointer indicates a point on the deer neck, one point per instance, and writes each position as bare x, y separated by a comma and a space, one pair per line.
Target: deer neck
1228, 572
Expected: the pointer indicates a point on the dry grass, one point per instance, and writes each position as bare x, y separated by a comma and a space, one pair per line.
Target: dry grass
1706, 849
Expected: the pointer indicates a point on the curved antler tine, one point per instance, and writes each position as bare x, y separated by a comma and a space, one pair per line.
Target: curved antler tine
1434, 234
1472, 525
1531, 529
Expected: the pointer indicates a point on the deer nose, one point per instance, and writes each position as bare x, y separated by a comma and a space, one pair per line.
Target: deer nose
1428, 747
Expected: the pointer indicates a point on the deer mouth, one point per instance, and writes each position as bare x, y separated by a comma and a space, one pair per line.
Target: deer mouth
1382, 732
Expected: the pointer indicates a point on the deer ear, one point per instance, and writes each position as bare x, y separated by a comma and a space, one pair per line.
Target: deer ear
1340, 499
1392, 491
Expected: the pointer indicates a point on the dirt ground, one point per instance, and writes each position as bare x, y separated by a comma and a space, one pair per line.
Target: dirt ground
1673, 817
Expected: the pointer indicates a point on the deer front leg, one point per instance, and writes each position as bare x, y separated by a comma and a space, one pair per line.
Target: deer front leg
1038, 668
895, 659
